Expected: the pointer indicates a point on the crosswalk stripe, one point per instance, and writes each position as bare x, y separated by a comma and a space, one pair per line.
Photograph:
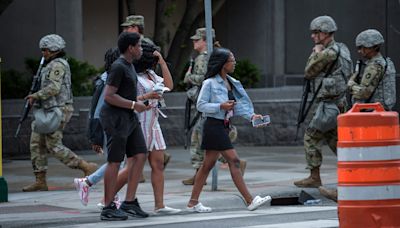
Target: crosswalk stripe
304, 224
197, 217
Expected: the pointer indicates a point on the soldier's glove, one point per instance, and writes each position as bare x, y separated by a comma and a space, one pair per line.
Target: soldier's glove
357, 92
351, 81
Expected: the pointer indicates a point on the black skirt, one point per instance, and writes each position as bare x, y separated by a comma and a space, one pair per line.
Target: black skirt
215, 135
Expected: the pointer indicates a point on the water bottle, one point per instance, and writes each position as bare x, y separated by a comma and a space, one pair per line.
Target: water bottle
312, 202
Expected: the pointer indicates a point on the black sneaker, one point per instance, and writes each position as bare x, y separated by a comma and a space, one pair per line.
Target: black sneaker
133, 209
112, 213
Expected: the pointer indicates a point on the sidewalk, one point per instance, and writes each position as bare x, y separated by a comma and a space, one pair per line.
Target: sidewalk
270, 171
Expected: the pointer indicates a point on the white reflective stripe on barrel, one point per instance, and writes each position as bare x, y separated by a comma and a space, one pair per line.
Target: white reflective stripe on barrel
369, 153
369, 192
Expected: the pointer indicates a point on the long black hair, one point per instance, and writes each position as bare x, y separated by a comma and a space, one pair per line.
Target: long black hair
217, 60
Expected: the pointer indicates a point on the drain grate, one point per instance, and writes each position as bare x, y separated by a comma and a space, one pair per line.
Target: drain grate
31, 208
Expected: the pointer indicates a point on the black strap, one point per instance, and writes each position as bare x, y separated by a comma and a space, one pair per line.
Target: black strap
320, 84
380, 80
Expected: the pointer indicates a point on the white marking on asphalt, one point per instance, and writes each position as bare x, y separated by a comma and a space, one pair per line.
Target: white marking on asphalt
306, 224
196, 217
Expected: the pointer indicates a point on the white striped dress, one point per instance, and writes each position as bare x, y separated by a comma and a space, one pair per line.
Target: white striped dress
149, 119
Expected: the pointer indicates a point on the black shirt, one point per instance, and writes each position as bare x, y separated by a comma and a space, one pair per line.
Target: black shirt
123, 76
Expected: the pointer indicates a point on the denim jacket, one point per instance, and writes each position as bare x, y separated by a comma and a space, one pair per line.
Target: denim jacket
214, 92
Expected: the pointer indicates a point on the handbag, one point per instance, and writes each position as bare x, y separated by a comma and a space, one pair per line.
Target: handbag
47, 120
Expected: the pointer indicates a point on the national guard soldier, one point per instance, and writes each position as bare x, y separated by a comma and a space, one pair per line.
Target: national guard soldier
53, 97
329, 65
135, 23
374, 80
194, 77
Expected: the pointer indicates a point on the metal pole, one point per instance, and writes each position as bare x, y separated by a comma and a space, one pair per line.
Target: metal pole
208, 16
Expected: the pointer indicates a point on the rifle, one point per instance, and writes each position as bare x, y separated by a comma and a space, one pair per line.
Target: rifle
34, 88
188, 107
303, 110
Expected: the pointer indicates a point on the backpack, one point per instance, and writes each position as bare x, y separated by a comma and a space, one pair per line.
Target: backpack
95, 130
385, 92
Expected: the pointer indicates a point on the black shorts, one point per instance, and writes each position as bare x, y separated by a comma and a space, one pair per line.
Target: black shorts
124, 134
215, 135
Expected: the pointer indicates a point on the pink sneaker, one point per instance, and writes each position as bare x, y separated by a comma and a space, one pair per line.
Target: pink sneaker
83, 190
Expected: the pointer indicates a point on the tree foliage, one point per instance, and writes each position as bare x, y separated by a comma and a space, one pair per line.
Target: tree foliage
16, 84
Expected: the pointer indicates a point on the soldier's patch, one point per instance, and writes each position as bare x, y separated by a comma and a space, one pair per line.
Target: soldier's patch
368, 76
56, 73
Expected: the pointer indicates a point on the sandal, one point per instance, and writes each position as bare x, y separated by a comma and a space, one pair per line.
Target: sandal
199, 208
259, 201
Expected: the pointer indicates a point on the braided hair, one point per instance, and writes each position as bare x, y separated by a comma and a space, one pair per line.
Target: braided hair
111, 55
148, 60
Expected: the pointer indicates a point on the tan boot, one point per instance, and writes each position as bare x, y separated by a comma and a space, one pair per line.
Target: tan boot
142, 179
242, 166
328, 193
190, 181
167, 157
313, 181
39, 185
87, 167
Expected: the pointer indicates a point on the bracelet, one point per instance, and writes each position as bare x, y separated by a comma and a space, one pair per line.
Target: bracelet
133, 105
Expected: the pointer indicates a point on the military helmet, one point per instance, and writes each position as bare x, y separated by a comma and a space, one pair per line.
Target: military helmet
323, 24
369, 38
53, 42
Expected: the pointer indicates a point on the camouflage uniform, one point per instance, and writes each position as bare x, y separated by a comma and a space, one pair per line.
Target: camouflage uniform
332, 93
195, 78
55, 91
373, 84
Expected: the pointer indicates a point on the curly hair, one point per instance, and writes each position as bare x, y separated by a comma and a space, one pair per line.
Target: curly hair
148, 60
111, 55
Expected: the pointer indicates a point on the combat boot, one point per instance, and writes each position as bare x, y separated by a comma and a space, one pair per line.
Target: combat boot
167, 157
242, 166
39, 185
328, 193
313, 181
190, 181
87, 167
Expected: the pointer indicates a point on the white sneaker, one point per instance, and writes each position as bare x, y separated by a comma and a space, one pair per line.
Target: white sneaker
259, 201
167, 211
83, 190
199, 208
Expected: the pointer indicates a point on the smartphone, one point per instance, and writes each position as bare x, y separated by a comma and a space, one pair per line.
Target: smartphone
264, 121
146, 102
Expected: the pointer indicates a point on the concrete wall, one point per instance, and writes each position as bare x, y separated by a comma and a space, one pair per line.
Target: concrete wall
283, 111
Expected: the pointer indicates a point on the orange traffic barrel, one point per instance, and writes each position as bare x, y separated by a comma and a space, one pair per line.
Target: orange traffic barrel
368, 167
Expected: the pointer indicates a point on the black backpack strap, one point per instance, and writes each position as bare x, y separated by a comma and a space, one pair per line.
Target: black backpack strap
380, 80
